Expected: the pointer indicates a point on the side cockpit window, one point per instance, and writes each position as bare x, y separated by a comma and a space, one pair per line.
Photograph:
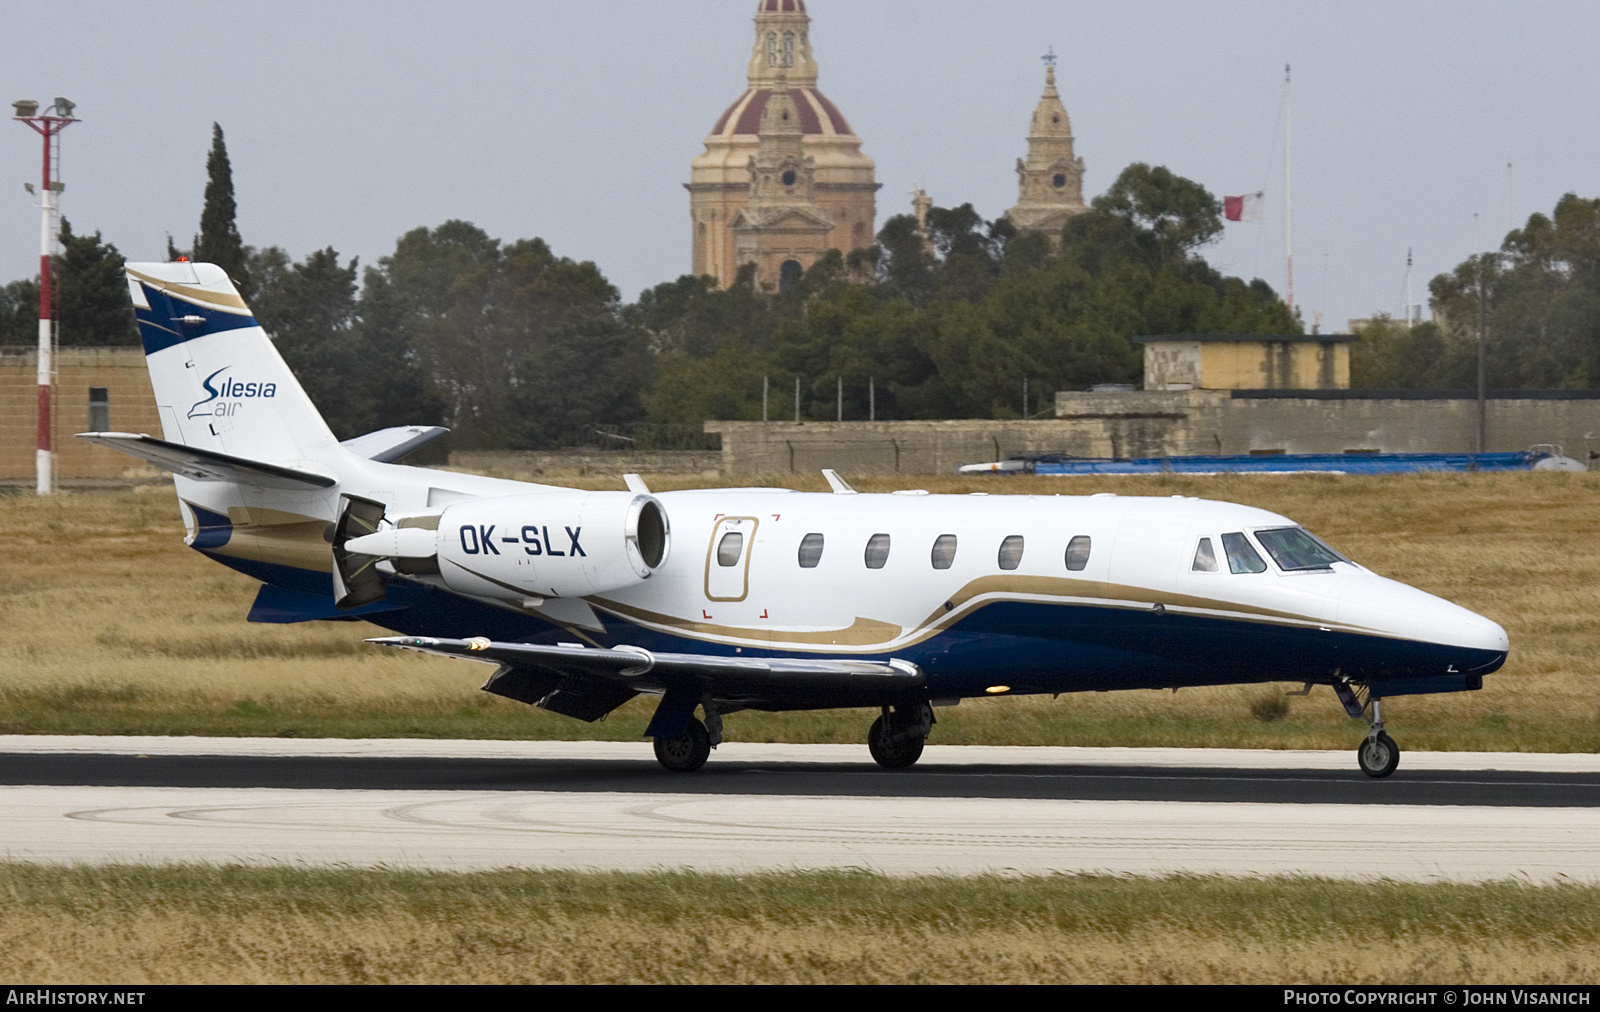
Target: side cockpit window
1295, 549
1078, 553
1242, 557
810, 551
1205, 559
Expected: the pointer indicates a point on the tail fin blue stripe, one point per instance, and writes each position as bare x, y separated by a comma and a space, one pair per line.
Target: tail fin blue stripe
163, 324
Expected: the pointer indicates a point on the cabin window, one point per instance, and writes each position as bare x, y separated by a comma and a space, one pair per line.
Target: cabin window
1205, 560
944, 551
810, 551
1011, 552
1295, 548
1078, 553
99, 409
877, 551
1241, 557
730, 548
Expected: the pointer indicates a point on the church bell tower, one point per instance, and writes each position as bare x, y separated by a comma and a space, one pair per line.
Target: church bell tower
1050, 179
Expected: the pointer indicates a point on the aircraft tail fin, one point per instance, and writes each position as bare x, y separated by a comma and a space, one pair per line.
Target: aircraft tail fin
220, 384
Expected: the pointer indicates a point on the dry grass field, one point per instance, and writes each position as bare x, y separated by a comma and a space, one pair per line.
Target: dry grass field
108, 624
177, 924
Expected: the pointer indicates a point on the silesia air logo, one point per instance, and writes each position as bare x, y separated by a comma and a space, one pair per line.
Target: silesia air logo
227, 394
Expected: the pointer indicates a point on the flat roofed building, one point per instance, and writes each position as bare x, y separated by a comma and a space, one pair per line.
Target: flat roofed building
1246, 361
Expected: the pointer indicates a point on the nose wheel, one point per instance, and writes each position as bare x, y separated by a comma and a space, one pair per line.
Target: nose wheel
1378, 755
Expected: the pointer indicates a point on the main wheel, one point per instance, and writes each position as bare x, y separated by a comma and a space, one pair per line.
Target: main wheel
889, 753
1378, 756
688, 751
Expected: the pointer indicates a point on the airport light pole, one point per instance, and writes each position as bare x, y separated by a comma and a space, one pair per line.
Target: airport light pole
49, 125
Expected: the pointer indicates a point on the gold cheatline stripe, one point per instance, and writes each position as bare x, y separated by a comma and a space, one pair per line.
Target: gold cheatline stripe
221, 299
861, 632
867, 632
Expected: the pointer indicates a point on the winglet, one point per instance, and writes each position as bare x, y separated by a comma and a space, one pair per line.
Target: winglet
838, 484
636, 484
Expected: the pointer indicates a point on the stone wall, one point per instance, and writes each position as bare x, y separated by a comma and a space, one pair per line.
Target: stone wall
535, 465
926, 447
121, 370
1158, 423
1152, 424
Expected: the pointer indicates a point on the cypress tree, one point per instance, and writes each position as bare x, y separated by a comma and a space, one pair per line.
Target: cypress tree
218, 242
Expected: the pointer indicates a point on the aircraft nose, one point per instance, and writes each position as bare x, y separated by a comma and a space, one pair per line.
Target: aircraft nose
1481, 633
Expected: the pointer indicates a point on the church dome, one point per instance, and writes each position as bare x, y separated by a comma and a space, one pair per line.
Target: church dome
818, 116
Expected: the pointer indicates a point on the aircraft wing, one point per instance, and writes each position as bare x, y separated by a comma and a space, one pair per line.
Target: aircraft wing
207, 465
639, 667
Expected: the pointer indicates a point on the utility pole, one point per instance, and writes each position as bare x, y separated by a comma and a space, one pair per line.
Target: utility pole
872, 398
48, 126
764, 398
1483, 391
840, 416
797, 398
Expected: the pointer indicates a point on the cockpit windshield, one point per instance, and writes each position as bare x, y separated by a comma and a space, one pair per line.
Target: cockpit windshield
1295, 548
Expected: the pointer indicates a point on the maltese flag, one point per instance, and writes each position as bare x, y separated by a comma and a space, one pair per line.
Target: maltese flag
1247, 207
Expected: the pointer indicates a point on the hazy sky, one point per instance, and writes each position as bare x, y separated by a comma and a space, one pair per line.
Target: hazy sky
350, 123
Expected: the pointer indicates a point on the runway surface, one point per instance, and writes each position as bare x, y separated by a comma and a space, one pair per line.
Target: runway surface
963, 809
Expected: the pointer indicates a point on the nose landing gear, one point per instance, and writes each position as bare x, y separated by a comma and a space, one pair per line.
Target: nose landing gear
1378, 755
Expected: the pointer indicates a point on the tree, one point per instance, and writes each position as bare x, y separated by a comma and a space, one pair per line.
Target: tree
1540, 301
960, 318
1151, 214
526, 348
19, 313
218, 242
91, 297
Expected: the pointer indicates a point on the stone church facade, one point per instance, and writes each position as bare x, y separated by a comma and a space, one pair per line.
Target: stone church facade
783, 179
804, 182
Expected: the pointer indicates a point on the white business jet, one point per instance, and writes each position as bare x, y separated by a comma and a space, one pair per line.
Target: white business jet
721, 600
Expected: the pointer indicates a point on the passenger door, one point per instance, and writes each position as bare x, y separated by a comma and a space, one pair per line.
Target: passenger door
728, 558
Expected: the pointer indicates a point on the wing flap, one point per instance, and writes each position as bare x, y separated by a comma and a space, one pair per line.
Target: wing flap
207, 465
646, 668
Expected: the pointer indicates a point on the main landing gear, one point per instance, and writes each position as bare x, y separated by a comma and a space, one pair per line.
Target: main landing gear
1378, 755
688, 751
897, 736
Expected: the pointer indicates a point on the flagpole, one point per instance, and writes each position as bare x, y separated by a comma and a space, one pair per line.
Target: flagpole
1288, 193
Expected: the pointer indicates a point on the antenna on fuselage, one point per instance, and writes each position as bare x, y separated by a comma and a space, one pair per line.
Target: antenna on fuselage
838, 484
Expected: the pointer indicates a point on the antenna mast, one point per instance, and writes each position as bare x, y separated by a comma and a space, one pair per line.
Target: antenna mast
1288, 193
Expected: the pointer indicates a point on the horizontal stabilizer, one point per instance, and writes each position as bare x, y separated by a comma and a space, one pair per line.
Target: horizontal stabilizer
388, 445
207, 465
649, 669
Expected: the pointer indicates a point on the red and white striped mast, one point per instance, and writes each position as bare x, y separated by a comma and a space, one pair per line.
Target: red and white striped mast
49, 126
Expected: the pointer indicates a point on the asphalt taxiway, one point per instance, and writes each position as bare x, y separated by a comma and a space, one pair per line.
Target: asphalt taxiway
963, 809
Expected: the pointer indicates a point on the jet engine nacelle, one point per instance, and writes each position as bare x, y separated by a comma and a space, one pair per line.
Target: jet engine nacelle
545, 544
552, 544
